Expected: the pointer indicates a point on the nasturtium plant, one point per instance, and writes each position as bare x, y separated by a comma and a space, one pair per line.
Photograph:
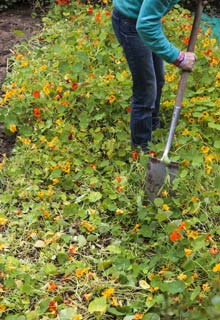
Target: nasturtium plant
79, 239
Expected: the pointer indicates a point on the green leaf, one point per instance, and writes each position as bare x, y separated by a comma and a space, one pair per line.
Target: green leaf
98, 305
217, 144
94, 196
67, 314
151, 316
217, 183
195, 293
173, 287
50, 268
43, 306
214, 125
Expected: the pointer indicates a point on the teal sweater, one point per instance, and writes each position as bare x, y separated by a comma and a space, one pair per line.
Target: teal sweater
149, 26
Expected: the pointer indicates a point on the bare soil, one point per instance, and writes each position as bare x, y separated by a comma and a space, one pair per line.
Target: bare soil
16, 25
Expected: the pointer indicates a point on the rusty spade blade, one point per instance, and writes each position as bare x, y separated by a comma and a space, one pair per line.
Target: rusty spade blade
161, 171
158, 174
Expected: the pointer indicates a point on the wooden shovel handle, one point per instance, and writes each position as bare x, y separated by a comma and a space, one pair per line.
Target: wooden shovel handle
182, 82
191, 48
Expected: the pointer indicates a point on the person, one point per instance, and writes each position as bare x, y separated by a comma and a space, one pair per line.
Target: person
137, 25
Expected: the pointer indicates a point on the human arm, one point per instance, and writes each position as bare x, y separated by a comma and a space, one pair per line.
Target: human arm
149, 27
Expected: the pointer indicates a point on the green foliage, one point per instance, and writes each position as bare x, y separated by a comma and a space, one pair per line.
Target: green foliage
78, 241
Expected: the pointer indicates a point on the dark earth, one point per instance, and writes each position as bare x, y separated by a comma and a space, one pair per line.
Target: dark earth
16, 25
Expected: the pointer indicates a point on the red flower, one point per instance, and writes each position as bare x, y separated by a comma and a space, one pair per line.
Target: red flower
53, 307
208, 237
98, 17
70, 136
90, 10
182, 226
128, 109
175, 235
118, 178
36, 94
37, 112
134, 155
74, 86
63, 2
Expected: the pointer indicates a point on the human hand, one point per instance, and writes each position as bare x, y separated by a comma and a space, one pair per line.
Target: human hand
188, 61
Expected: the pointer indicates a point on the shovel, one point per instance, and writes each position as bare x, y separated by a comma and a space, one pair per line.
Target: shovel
164, 170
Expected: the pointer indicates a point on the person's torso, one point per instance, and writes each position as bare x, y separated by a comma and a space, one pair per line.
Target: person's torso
131, 8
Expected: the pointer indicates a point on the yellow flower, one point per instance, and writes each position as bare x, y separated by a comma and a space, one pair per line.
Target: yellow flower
88, 226
3, 221
119, 211
136, 228
154, 289
182, 277
205, 114
77, 317
208, 169
195, 199
194, 276
114, 302
43, 67
26, 141
205, 149
81, 272
111, 99
2, 308
55, 181
164, 193
165, 207
192, 234
205, 287
46, 90
185, 132
46, 214
186, 163
107, 293
209, 158
138, 316
24, 64
40, 194
191, 120
188, 252
2, 246
13, 128
216, 268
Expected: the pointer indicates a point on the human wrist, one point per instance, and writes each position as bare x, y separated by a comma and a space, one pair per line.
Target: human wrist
180, 59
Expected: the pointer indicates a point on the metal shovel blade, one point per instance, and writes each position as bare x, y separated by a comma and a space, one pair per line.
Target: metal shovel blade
158, 173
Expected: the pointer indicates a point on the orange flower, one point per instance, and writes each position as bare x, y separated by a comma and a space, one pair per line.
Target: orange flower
118, 178
74, 86
138, 316
90, 10
98, 17
53, 307
175, 235
52, 286
182, 226
119, 189
37, 112
135, 155
36, 94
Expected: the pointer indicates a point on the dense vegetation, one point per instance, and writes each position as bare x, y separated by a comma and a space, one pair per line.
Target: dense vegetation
78, 240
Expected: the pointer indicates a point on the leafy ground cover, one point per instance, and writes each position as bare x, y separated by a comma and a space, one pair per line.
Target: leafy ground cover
78, 238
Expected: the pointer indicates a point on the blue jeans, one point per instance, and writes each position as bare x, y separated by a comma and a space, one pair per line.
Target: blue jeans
147, 70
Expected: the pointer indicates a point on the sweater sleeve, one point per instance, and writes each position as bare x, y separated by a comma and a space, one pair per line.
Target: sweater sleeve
149, 27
